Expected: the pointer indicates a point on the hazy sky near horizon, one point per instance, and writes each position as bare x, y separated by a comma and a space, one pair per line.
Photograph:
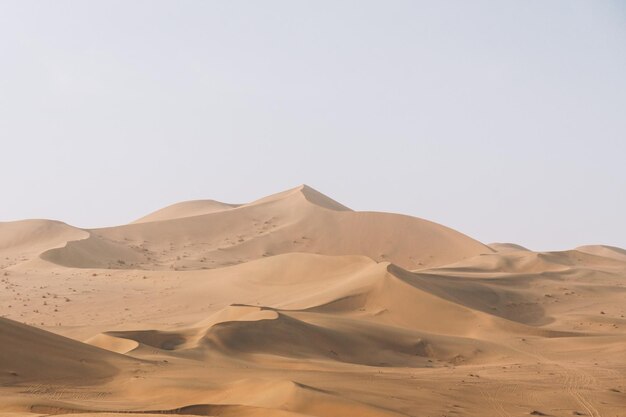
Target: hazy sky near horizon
505, 120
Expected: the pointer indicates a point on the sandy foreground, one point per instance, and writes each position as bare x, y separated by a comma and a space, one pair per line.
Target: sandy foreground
295, 305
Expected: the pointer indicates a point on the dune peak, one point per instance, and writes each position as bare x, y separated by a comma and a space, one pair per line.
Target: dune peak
306, 193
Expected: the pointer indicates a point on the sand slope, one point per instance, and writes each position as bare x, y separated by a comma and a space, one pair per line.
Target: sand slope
28, 354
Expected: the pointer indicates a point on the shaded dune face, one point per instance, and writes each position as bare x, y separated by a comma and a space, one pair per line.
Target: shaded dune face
295, 305
336, 340
29, 354
291, 338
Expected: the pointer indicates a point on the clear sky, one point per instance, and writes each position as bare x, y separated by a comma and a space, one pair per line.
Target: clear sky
505, 120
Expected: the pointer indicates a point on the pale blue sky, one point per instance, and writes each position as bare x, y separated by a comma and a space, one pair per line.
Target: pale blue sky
505, 120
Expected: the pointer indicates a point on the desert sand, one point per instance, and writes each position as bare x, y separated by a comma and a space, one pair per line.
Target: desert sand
295, 305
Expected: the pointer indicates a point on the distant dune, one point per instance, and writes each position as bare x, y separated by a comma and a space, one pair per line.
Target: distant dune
186, 209
297, 220
604, 251
506, 247
295, 305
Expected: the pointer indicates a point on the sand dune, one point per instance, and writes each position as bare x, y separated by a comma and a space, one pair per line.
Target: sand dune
186, 209
295, 305
28, 354
506, 247
297, 220
604, 251
23, 240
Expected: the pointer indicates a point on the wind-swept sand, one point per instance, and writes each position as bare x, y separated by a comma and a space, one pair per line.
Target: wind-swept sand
295, 305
